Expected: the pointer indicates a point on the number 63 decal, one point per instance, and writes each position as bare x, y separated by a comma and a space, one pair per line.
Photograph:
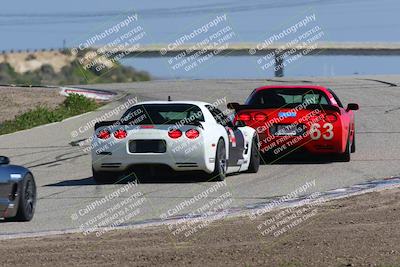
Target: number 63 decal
315, 131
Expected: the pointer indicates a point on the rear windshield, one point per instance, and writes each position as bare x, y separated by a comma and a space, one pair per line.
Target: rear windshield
287, 97
162, 114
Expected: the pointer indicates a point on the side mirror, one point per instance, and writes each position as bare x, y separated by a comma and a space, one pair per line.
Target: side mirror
352, 106
4, 160
233, 105
240, 124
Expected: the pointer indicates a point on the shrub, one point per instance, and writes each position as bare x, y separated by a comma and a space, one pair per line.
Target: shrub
73, 105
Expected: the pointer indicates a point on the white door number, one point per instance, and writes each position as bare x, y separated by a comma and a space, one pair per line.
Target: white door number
315, 131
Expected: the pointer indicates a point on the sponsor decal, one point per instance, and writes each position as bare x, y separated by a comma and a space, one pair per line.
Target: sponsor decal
290, 114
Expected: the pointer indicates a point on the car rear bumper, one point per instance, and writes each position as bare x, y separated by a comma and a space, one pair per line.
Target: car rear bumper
185, 159
286, 144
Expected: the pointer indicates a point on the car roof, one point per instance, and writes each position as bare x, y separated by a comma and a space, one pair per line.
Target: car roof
316, 87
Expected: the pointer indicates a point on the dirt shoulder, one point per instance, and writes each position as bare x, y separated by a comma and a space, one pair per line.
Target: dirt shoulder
17, 100
357, 231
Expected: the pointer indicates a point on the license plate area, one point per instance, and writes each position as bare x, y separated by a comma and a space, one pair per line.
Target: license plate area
147, 146
288, 129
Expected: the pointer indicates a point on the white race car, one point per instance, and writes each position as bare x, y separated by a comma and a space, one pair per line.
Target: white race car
173, 135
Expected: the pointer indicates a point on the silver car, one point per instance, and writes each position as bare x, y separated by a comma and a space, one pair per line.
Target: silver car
17, 192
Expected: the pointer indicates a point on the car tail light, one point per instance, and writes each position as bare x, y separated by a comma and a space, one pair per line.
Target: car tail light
192, 133
244, 117
260, 117
120, 134
104, 134
331, 117
174, 134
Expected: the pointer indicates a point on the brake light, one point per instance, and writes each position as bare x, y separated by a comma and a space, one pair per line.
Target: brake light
244, 117
331, 117
192, 133
260, 117
104, 134
174, 134
120, 134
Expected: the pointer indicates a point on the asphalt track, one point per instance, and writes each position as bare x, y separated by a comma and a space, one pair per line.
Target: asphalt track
63, 170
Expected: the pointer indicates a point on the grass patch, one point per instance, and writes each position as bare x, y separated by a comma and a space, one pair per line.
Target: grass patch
73, 105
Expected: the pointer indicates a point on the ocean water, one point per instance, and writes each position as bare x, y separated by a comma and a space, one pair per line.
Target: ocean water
247, 67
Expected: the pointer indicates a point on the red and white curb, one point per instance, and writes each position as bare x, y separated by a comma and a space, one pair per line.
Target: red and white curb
101, 95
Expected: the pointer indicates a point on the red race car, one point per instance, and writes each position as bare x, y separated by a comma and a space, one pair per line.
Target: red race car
290, 118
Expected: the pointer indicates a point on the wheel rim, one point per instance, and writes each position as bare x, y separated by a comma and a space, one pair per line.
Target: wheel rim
29, 196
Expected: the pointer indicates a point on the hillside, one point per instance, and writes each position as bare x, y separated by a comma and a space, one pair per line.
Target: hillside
61, 67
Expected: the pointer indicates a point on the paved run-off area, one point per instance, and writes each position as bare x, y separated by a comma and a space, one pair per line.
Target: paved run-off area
63, 170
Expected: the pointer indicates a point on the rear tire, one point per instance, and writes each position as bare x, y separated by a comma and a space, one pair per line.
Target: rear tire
268, 158
346, 156
103, 177
254, 164
220, 168
27, 200
353, 144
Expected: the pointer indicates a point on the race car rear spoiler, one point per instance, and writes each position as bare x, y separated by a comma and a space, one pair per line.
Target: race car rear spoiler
322, 107
106, 123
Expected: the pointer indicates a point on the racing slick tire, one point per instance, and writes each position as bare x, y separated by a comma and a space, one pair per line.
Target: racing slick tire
346, 156
353, 145
268, 158
27, 200
254, 164
103, 177
219, 173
